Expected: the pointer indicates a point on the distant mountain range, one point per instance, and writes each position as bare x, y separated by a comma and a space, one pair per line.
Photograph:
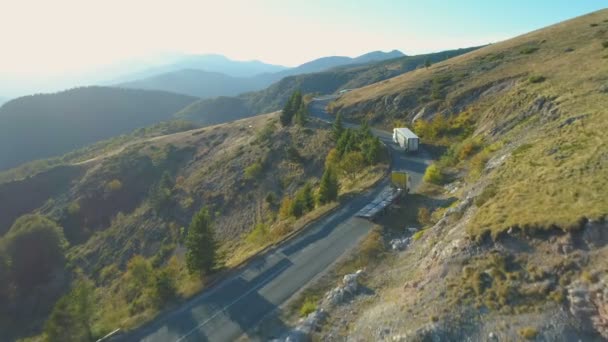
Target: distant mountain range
210, 62
347, 76
209, 76
45, 125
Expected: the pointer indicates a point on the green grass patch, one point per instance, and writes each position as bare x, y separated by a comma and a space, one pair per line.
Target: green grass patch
488, 193
308, 306
529, 50
418, 234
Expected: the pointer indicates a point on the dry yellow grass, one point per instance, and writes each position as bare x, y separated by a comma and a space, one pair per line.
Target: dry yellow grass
561, 177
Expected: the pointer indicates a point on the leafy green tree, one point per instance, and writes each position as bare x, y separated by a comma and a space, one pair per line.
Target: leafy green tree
352, 163
338, 127
427, 63
328, 188
35, 246
201, 255
71, 316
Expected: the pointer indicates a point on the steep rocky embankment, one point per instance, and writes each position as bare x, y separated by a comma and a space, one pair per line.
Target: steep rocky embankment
514, 242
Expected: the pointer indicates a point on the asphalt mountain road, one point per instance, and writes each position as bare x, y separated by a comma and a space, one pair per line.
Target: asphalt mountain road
233, 306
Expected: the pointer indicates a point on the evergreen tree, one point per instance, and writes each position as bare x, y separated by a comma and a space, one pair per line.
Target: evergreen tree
287, 113
427, 63
328, 189
201, 255
303, 202
364, 132
372, 150
302, 115
346, 143
338, 127
291, 108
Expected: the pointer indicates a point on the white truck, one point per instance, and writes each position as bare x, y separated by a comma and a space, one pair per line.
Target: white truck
406, 139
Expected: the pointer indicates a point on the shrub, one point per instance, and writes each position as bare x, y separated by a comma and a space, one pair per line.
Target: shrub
270, 197
285, 211
293, 154
478, 163
528, 50
253, 171
418, 235
258, 235
71, 316
536, 79
309, 306
529, 333
265, 133
424, 215
605, 44
73, 208
113, 185
433, 175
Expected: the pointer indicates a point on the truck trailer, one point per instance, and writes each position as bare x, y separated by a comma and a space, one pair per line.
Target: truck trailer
406, 139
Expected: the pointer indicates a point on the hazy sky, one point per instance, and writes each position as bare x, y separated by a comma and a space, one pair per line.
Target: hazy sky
44, 36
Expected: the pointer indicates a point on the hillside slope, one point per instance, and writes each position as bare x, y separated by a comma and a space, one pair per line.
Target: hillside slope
512, 229
139, 200
273, 97
45, 125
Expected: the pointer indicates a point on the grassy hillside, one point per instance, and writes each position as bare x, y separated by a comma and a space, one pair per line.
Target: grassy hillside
275, 96
541, 96
125, 205
45, 125
510, 233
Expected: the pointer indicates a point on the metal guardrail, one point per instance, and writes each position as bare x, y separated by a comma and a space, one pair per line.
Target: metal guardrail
108, 336
384, 199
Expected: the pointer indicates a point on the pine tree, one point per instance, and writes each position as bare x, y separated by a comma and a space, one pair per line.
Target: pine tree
288, 112
291, 108
338, 127
201, 255
427, 63
302, 115
328, 189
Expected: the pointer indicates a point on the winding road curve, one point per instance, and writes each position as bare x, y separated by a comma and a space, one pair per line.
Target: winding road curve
234, 305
